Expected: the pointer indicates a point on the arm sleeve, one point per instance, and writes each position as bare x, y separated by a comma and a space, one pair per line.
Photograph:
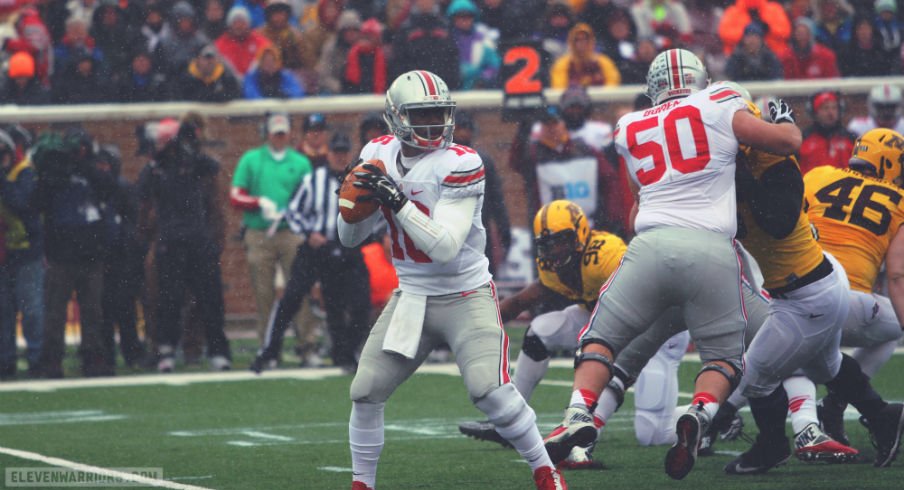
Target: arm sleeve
442, 236
353, 234
558, 75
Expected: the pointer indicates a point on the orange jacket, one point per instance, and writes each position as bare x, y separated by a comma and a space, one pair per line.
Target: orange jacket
736, 18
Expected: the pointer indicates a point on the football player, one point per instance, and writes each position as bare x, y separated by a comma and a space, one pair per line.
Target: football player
430, 196
884, 102
575, 261
680, 156
803, 331
859, 212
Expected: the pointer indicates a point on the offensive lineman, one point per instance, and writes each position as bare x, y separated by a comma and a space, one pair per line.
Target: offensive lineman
573, 261
681, 158
430, 196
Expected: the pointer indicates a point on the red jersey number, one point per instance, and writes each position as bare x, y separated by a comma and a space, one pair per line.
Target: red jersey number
400, 238
654, 150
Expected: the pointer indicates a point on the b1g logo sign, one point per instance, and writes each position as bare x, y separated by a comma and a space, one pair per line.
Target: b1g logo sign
571, 191
575, 179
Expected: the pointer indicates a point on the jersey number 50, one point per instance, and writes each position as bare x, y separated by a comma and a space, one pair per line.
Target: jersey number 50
653, 149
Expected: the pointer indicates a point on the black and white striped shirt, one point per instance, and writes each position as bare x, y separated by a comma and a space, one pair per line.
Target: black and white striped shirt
315, 208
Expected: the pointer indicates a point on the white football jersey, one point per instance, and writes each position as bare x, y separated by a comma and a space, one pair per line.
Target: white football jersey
862, 124
456, 172
681, 154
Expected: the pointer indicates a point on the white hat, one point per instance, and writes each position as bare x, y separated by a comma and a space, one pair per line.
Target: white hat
278, 123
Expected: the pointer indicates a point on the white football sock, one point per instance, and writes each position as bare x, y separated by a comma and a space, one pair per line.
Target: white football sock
516, 422
528, 374
801, 402
365, 438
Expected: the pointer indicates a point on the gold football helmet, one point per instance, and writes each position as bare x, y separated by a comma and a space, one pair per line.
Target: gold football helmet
880, 153
560, 232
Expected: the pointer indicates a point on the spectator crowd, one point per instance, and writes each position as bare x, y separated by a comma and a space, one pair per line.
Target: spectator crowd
96, 51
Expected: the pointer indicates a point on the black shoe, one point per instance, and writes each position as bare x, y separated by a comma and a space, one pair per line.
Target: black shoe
885, 433
761, 457
831, 418
262, 363
482, 430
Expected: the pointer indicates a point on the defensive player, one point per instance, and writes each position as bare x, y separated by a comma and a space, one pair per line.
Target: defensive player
575, 261
430, 196
680, 157
803, 331
859, 212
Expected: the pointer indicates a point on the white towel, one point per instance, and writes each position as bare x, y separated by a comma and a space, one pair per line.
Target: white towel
405, 326
750, 265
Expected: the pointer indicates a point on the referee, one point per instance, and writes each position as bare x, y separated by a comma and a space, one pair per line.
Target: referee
343, 276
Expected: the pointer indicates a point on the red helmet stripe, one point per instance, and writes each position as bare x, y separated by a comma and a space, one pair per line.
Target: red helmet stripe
431, 87
676, 75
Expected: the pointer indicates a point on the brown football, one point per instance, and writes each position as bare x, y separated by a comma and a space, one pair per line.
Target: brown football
351, 210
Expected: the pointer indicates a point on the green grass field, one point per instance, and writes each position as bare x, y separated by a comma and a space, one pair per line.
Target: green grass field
291, 433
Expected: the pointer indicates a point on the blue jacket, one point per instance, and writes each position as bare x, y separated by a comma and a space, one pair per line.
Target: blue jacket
287, 87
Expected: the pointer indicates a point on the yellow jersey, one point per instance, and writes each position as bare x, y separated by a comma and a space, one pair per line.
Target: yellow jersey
600, 259
855, 216
784, 260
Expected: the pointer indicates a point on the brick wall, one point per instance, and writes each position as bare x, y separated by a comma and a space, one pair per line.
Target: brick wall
231, 136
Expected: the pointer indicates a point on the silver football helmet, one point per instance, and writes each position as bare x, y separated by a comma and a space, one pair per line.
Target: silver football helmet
885, 103
675, 73
420, 90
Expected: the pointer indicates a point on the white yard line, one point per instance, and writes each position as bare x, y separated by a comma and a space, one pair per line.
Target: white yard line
63, 463
181, 379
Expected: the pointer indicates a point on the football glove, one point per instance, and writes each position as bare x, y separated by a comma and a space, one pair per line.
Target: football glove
780, 111
384, 189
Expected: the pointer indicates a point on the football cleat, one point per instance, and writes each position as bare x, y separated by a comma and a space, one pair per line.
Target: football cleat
548, 478
576, 430
885, 433
483, 430
761, 457
831, 416
813, 445
680, 459
357, 485
580, 458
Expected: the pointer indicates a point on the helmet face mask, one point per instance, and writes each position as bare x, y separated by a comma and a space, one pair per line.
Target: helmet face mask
560, 232
675, 73
420, 111
879, 153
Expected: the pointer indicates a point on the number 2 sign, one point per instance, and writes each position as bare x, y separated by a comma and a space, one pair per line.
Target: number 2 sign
521, 78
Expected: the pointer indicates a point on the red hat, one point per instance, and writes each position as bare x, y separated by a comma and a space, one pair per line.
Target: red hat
21, 65
823, 97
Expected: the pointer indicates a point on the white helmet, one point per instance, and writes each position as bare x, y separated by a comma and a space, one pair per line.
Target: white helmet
885, 102
419, 89
675, 73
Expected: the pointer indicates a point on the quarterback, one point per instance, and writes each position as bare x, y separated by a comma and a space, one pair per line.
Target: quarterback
430, 197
